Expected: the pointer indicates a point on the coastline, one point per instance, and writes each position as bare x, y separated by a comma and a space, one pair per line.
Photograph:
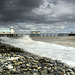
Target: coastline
16, 61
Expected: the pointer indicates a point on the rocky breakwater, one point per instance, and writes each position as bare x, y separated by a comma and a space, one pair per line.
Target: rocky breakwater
24, 63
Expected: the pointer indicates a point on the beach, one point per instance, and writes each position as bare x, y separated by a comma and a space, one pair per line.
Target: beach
24, 63
29, 56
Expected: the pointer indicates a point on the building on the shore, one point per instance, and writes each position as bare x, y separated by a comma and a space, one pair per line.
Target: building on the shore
35, 33
7, 30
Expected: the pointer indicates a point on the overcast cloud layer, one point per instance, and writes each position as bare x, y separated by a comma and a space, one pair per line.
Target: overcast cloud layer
43, 15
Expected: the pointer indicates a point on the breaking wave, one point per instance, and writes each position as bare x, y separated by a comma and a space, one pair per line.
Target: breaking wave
54, 51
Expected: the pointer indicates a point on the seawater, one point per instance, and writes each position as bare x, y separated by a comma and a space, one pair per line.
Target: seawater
50, 50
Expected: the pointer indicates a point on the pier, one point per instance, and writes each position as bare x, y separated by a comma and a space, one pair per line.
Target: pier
35, 35
8, 34
46, 34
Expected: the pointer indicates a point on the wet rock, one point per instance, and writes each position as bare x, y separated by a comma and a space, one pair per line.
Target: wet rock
4, 68
10, 66
0, 64
38, 68
24, 70
39, 64
30, 57
17, 63
33, 72
1, 70
42, 60
43, 72
72, 73
68, 73
73, 69
28, 73
14, 72
34, 66
23, 66
13, 58
18, 67
28, 65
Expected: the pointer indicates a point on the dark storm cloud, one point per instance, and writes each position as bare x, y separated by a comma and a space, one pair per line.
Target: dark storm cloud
37, 11
12, 10
43, 15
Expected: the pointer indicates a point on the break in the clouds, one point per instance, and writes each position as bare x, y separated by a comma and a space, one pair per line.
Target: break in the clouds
43, 15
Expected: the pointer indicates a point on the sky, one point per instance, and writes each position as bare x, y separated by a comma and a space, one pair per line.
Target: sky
49, 16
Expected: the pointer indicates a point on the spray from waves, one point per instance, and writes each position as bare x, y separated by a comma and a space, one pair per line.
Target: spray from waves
57, 52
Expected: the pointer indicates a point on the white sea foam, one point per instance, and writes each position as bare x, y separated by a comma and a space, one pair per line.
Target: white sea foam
54, 51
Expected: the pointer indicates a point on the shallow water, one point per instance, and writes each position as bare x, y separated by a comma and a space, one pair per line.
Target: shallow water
68, 41
46, 46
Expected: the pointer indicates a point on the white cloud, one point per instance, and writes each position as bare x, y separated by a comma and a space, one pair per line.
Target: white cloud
62, 8
51, 10
44, 9
48, 28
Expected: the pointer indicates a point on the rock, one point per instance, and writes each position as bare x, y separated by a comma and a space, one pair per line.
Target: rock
9, 66
0, 56
24, 70
29, 69
72, 73
1, 70
42, 60
43, 72
0, 64
35, 61
39, 68
69, 70
30, 57
39, 64
49, 65
33, 72
68, 73
13, 58
4, 67
17, 63
18, 67
49, 69
23, 66
28, 73
73, 69
28, 65
14, 72
66, 67
34, 66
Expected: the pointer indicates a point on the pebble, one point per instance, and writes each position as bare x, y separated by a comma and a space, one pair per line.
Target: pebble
10, 66
24, 63
1, 70
19, 64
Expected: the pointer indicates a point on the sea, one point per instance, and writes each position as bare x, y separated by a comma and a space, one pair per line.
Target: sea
55, 47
